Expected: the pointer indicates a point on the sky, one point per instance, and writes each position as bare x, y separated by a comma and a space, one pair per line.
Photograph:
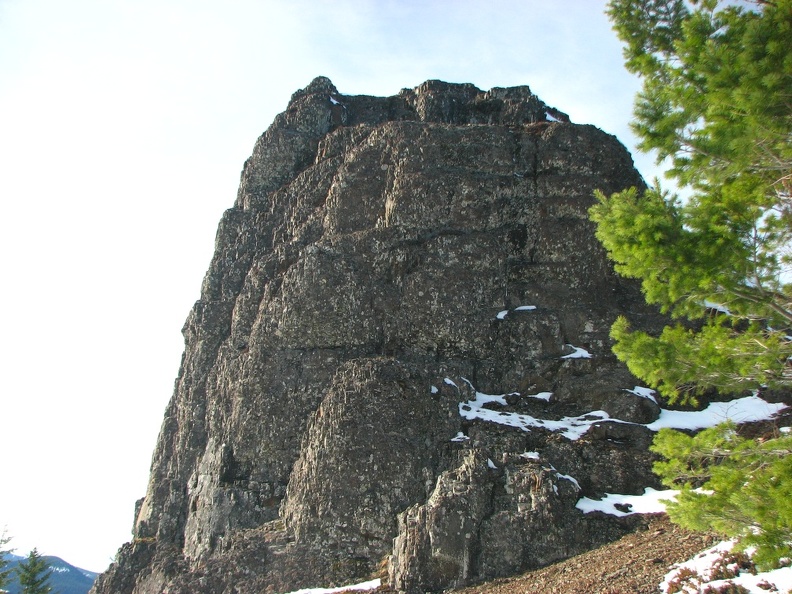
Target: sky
124, 125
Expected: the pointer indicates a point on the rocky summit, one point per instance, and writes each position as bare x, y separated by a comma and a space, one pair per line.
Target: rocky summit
399, 364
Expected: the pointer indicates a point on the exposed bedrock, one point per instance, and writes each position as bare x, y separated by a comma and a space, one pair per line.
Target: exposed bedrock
387, 263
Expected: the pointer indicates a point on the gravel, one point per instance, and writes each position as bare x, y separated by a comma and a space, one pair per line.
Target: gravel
636, 564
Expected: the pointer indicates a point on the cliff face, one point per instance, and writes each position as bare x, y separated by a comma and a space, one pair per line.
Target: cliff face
388, 262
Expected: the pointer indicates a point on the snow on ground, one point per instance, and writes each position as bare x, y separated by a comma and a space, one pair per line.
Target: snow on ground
541, 396
702, 564
363, 586
651, 502
481, 399
742, 410
780, 578
567, 477
503, 313
580, 353
643, 393
570, 427
694, 575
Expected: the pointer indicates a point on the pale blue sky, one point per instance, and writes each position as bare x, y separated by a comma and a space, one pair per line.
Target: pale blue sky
124, 125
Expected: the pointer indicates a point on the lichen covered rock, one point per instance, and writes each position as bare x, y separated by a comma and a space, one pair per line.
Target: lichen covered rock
387, 261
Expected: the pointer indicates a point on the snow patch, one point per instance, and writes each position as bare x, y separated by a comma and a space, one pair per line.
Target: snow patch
651, 502
481, 399
541, 396
566, 477
460, 437
780, 578
704, 565
502, 314
749, 408
572, 428
580, 353
363, 586
643, 393
742, 410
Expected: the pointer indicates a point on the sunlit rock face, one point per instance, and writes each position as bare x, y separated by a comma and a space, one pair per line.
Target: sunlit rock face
388, 263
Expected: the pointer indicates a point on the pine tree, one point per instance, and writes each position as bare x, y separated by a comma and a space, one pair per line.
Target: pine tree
716, 104
34, 574
5, 573
737, 486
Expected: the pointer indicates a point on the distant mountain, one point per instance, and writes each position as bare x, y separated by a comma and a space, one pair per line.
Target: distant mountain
66, 578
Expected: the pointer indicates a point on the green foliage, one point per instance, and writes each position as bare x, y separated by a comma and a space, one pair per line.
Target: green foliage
4, 552
687, 265
737, 486
683, 363
34, 574
716, 87
717, 102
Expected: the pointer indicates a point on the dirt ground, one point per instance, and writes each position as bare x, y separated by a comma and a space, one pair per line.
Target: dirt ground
636, 564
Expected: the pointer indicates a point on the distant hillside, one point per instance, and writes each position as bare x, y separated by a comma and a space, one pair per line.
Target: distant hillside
66, 578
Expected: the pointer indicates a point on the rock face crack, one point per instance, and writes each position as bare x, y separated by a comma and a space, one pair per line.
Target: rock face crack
376, 247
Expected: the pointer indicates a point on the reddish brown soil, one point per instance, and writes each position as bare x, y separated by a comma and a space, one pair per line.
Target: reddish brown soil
636, 564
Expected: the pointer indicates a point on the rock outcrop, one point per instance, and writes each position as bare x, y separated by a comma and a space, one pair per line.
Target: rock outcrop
387, 264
